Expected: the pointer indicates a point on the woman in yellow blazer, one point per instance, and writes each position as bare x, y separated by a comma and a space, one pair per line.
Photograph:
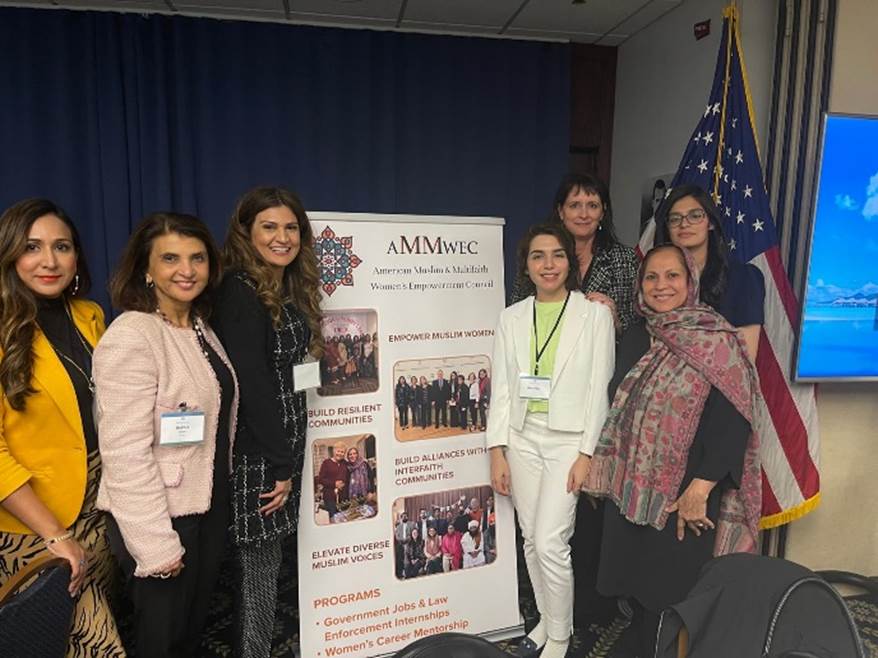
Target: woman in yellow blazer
49, 460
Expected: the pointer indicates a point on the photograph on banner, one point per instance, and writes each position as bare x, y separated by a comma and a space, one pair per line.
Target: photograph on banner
350, 362
440, 397
652, 194
444, 531
345, 479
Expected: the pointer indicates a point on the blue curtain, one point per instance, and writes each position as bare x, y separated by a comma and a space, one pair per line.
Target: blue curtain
116, 115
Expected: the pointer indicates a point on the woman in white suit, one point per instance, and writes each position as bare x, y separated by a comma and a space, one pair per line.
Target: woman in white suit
553, 360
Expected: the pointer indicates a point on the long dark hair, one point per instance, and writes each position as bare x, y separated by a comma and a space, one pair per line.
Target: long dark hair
557, 230
606, 234
128, 288
713, 278
18, 304
301, 278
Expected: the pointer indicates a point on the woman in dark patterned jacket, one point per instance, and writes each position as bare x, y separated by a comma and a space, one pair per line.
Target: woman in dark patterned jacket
609, 268
267, 315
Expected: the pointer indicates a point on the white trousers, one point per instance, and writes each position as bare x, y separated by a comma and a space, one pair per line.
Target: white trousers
539, 463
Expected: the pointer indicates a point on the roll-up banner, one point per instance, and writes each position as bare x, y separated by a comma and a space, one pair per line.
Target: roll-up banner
400, 535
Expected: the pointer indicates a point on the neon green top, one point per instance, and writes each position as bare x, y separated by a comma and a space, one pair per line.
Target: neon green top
547, 314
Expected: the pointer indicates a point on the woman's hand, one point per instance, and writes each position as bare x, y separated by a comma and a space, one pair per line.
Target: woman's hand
691, 508
606, 301
578, 473
26, 506
74, 553
500, 479
277, 497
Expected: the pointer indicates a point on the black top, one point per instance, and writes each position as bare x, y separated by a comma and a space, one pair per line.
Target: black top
743, 302
227, 396
55, 322
245, 329
652, 565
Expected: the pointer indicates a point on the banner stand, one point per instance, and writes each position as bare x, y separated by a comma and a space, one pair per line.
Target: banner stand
400, 534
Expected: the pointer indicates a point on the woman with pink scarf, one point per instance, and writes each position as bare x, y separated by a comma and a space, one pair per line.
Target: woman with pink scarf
677, 459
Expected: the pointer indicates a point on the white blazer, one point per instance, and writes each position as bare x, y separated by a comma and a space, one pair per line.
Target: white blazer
584, 364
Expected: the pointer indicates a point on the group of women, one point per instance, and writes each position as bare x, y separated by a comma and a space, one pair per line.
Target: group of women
633, 384
627, 382
468, 403
348, 359
144, 443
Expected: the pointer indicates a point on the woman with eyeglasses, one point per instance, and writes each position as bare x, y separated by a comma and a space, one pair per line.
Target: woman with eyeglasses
689, 219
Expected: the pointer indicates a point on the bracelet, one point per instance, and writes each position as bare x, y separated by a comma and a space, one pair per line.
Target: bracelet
54, 540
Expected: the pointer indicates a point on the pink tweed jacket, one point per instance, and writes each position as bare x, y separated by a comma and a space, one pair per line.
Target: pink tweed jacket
144, 367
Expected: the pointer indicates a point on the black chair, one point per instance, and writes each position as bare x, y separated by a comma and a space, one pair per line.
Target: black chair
36, 621
751, 605
451, 645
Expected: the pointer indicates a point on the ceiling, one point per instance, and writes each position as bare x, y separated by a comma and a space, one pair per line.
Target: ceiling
601, 22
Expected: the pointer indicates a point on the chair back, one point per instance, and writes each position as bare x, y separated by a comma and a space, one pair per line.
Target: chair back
753, 605
35, 620
451, 645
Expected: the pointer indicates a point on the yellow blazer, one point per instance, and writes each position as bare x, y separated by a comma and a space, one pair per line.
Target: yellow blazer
44, 445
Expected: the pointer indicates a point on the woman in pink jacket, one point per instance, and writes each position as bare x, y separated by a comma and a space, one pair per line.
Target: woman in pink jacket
167, 401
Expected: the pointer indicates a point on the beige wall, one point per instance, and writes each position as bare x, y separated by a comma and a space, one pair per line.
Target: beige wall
854, 88
843, 532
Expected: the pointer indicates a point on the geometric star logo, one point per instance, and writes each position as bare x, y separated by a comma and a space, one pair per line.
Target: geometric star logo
335, 259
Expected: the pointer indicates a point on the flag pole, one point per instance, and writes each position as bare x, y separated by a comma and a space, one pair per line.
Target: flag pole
730, 13
747, 95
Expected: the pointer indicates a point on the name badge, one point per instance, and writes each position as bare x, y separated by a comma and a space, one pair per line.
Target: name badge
531, 387
306, 375
180, 428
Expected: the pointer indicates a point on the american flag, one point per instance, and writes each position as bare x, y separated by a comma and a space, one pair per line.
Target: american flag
722, 157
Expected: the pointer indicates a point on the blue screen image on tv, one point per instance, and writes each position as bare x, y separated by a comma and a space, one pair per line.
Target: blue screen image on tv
839, 331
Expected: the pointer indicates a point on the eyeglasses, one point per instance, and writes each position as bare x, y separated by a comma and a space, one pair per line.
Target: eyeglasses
692, 217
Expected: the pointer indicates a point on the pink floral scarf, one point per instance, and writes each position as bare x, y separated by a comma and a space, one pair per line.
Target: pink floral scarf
641, 457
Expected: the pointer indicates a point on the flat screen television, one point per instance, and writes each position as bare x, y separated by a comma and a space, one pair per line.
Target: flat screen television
838, 337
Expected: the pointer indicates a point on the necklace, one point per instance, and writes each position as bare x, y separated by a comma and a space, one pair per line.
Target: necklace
196, 326
199, 336
88, 379
85, 345
82, 371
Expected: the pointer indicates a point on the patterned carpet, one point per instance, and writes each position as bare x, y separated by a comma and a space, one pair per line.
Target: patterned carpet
591, 641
